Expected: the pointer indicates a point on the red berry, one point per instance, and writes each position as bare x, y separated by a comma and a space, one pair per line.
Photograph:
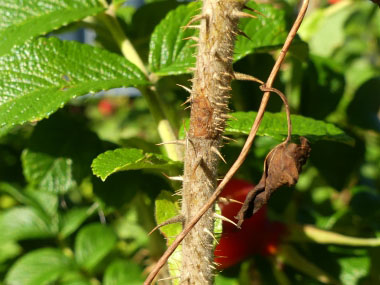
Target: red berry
105, 107
258, 235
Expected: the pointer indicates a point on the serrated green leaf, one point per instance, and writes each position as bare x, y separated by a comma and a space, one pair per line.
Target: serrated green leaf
92, 244
41, 76
275, 125
20, 223
123, 159
265, 33
53, 174
55, 162
123, 272
23, 20
39, 267
170, 54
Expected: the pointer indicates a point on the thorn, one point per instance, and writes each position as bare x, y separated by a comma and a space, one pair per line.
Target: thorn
227, 88
193, 20
228, 200
254, 11
226, 74
211, 235
221, 104
192, 69
241, 33
225, 59
193, 45
240, 14
217, 152
184, 87
179, 142
168, 278
194, 26
223, 218
228, 139
220, 129
196, 165
174, 178
173, 220
246, 77
191, 38
212, 267
188, 100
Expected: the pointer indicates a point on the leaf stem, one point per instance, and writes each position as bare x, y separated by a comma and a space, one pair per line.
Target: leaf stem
156, 105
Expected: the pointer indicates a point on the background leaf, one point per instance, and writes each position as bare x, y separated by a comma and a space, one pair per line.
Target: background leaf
265, 33
39, 267
23, 20
353, 269
24, 223
42, 75
129, 159
72, 219
322, 88
92, 244
54, 161
123, 272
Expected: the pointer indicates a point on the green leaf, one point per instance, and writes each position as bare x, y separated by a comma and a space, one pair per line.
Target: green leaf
323, 85
364, 108
265, 33
44, 74
74, 278
354, 269
124, 159
20, 223
52, 174
170, 54
54, 161
167, 207
324, 30
123, 272
9, 250
92, 244
23, 20
275, 125
39, 267
72, 219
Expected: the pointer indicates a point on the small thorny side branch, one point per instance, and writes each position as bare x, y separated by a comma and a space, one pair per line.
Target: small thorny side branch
209, 106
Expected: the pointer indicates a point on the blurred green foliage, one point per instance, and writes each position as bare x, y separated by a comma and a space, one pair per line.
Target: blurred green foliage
59, 224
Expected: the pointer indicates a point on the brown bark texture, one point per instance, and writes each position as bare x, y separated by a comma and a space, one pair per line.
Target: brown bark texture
209, 107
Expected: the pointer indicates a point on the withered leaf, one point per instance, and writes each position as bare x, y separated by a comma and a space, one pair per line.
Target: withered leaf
282, 166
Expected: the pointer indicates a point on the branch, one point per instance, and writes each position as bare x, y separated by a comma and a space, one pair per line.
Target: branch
243, 154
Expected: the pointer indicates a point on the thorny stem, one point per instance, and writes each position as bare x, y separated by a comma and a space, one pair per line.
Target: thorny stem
156, 105
243, 153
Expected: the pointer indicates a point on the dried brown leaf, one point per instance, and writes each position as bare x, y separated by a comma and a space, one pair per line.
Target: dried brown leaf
282, 166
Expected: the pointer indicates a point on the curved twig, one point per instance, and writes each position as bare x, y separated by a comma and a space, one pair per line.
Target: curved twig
243, 154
